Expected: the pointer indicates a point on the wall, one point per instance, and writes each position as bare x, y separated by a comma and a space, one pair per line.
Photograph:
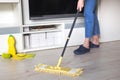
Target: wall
109, 19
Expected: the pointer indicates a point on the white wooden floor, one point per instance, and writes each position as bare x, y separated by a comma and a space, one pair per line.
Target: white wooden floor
99, 64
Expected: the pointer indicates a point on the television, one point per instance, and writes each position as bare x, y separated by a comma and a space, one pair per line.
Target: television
47, 9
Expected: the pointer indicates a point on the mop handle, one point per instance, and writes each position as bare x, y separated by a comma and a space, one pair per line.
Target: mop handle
73, 24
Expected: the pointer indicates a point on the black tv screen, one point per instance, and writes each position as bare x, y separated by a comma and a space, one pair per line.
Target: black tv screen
47, 9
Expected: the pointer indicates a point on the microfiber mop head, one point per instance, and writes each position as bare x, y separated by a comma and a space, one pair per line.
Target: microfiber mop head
60, 70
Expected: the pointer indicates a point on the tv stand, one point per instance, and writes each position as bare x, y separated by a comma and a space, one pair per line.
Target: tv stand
53, 34
42, 36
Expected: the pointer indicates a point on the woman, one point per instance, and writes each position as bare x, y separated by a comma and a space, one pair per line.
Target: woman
92, 30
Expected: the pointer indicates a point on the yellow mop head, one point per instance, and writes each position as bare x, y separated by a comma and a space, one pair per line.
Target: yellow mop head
60, 70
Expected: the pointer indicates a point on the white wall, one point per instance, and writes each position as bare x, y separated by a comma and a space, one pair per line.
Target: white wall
109, 19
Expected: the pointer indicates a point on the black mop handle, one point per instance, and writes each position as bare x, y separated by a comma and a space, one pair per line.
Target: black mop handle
73, 24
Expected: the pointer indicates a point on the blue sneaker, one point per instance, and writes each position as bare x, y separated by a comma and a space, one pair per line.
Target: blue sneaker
81, 50
94, 45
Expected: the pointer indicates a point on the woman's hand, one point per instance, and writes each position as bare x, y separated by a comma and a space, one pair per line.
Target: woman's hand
80, 5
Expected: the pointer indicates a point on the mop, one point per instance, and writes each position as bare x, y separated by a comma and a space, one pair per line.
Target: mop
58, 68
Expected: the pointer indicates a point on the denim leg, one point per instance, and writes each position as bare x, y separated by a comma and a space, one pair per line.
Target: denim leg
90, 18
96, 30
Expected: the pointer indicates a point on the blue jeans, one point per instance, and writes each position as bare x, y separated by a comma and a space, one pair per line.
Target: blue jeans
91, 20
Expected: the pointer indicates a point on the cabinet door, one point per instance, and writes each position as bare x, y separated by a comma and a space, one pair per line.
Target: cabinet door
34, 41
